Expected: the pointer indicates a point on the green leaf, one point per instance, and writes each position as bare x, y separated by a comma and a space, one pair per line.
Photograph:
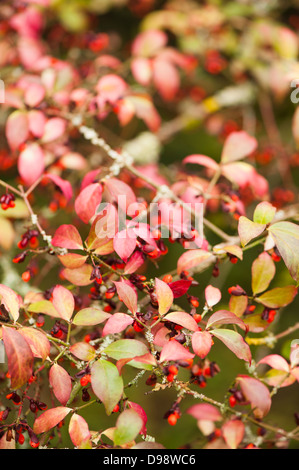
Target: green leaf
262, 271
90, 316
106, 383
128, 425
249, 230
264, 213
286, 237
278, 297
125, 348
234, 342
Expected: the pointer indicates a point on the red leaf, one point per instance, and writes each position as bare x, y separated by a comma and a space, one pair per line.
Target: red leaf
174, 351
67, 236
50, 418
180, 287
87, 201
31, 163
19, 357
61, 383
201, 343
127, 295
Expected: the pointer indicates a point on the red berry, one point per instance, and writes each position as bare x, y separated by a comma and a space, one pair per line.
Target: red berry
172, 419
167, 278
232, 401
116, 409
85, 380
197, 317
21, 439
170, 378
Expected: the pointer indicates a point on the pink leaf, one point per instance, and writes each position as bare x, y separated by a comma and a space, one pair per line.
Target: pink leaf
11, 301
201, 343
204, 411
233, 432
180, 287
134, 263
87, 201
72, 260
31, 163
149, 42
34, 94
37, 122
124, 243
78, 430
275, 361
17, 129
38, 342
61, 383
119, 192
67, 236
257, 394
19, 357
141, 413
224, 317
234, 342
174, 351
54, 129
141, 70
117, 323
50, 418
202, 160
110, 88
213, 295
164, 296
166, 79
193, 258
64, 302
127, 295
63, 185
182, 318
238, 145
79, 276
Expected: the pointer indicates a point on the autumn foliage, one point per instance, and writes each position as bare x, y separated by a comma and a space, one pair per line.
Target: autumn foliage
129, 263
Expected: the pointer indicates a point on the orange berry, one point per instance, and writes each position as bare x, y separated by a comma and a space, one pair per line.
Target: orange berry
26, 276
173, 370
167, 278
85, 380
197, 317
170, 378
